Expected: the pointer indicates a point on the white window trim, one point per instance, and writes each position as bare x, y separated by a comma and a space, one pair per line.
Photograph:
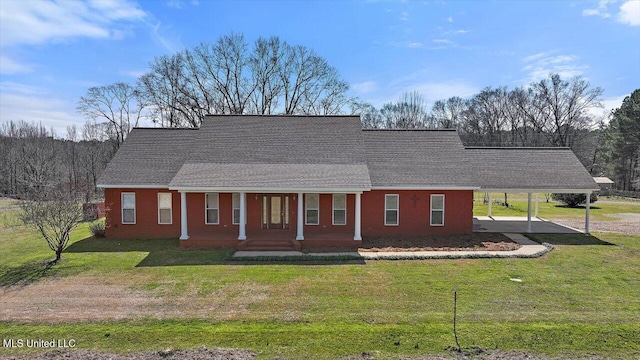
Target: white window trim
233, 209
333, 210
214, 208
397, 209
306, 208
170, 208
122, 208
431, 210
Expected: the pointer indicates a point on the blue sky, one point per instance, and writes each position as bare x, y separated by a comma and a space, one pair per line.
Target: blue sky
51, 52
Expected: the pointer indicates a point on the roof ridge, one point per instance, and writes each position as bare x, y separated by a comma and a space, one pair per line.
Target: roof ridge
281, 115
165, 128
517, 148
401, 130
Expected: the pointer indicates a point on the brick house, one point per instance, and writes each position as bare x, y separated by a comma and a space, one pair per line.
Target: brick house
293, 181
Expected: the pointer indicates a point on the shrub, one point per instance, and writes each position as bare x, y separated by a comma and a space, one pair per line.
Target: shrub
97, 228
573, 200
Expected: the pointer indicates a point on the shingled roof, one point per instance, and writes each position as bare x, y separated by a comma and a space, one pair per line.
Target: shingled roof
329, 153
536, 168
149, 157
417, 158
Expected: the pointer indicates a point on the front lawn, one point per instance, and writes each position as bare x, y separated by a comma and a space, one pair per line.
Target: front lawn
576, 300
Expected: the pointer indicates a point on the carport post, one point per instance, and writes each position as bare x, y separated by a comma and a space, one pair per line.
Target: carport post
536, 215
528, 212
489, 199
586, 214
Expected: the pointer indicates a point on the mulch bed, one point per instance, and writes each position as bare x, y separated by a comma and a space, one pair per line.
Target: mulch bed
470, 242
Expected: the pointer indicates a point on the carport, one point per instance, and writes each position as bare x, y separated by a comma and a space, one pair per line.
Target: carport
531, 170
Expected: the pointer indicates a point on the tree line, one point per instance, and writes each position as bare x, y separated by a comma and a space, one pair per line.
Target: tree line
270, 76
35, 162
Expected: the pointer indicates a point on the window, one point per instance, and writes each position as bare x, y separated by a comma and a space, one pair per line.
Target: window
312, 209
128, 208
391, 209
339, 209
236, 208
211, 209
437, 210
164, 208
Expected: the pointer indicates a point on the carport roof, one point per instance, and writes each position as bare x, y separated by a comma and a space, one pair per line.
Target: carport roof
532, 169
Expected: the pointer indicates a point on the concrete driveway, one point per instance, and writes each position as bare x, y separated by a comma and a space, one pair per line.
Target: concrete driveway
517, 224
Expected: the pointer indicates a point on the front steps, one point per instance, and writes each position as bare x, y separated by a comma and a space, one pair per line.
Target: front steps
269, 245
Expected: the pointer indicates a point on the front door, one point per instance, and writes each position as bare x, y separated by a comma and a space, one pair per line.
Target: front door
275, 211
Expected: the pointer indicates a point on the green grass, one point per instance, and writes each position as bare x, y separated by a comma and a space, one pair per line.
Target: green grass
601, 210
576, 300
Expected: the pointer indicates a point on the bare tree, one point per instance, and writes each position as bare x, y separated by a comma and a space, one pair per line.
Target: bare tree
562, 107
227, 77
117, 105
54, 216
409, 112
447, 114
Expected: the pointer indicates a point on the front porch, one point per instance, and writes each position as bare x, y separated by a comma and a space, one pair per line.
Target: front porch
274, 221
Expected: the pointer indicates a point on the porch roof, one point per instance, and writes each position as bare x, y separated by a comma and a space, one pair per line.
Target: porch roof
529, 169
255, 177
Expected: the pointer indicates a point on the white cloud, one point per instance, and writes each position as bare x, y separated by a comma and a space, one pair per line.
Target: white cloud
365, 87
449, 19
610, 103
430, 90
540, 65
50, 112
601, 10
434, 91
9, 66
404, 16
38, 22
443, 41
181, 4
134, 73
630, 13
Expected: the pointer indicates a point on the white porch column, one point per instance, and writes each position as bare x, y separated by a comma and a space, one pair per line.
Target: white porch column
586, 214
300, 221
358, 216
536, 215
528, 212
184, 233
242, 233
489, 199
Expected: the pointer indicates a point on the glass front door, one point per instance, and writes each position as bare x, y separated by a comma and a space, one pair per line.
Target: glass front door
275, 211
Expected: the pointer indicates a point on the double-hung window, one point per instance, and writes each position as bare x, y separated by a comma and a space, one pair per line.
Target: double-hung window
312, 209
128, 208
437, 210
212, 211
164, 208
339, 209
236, 208
391, 206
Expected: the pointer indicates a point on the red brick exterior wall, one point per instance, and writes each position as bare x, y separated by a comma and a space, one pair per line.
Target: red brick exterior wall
414, 216
413, 219
146, 225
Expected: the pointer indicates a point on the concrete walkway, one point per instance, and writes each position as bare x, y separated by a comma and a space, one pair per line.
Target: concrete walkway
518, 224
528, 249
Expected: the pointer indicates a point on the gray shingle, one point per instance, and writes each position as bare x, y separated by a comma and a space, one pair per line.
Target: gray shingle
149, 157
287, 176
416, 158
529, 168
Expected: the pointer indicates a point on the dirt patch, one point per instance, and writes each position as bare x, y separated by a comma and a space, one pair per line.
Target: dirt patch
624, 223
82, 298
169, 354
236, 354
470, 242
